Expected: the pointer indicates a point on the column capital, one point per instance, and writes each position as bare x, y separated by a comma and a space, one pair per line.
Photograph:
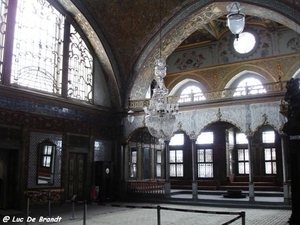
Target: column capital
193, 136
249, 137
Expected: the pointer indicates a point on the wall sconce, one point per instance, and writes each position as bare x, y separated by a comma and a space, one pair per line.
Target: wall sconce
130, 117
235, 19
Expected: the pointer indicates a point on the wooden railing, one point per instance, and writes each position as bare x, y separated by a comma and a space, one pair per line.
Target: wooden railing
146, 187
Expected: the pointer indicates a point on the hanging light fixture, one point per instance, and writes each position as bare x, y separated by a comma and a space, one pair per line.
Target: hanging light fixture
130, 117
235, 19
160, 113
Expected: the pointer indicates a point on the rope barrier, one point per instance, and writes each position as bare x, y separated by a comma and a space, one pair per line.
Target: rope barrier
240, 215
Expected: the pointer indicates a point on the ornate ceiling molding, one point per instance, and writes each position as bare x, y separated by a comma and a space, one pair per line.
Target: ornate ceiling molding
188, 21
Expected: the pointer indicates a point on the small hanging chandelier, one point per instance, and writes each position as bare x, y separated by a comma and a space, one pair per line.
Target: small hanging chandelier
235, 19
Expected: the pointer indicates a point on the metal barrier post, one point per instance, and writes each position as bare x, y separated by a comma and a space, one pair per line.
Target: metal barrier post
158, 215
84, 212
27, 208
73, 209
49, 204
243, 218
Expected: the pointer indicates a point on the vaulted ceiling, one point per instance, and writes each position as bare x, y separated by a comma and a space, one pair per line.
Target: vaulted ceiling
128, 32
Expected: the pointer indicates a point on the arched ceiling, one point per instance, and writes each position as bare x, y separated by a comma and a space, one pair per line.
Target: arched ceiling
125, 33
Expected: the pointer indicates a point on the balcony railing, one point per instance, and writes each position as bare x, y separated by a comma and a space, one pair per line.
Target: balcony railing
231, 94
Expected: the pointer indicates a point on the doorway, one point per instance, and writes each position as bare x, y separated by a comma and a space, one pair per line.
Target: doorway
103, 179
77, 176
9, 179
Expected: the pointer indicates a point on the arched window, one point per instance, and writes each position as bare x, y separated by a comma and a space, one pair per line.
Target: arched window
249, 86
191, 93
48, 53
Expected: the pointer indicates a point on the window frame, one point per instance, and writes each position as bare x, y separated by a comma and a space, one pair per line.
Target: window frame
133, 163
158, 163
7, 59
272, 147
244, 161
177, 165
205, 163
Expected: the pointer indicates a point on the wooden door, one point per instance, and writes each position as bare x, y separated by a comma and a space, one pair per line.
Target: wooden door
77, 175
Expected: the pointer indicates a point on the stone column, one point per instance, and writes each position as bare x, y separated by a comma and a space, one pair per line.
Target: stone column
194, 170
123, 167
286, 194
167, 169
251, 183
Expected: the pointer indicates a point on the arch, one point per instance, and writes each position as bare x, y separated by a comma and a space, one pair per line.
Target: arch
101, 49
189, 20
179, 87
217, 121
176, 81
234, 81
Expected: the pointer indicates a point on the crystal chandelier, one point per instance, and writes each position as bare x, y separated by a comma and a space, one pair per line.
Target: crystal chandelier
160, 114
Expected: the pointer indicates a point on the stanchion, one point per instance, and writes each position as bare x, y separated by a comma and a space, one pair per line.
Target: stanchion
27, 208
158, 215
243, 218
73, 207
84, 212
49, 204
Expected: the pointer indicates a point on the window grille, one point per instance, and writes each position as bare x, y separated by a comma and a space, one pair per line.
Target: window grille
37, 51
80, 75
38, 62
